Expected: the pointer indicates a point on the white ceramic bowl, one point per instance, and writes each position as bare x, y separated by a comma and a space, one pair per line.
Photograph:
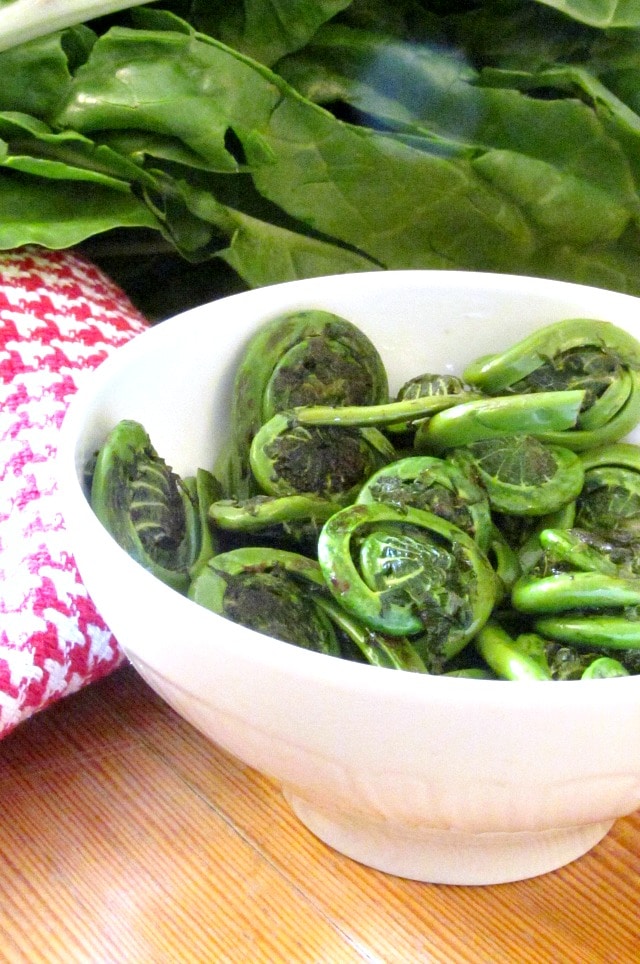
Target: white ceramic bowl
438, 779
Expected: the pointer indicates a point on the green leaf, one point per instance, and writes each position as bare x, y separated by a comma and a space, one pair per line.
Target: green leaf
32, 147
265, 29
434, 92
175, 85
263, 253
33, 213
565, 209
502, 149
36, 75
599, 13
391, 203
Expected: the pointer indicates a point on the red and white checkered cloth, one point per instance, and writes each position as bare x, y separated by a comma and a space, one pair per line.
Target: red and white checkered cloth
59, 318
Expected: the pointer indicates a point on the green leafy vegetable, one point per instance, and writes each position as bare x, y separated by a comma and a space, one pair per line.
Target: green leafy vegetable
285, 140
406, 572
158, 518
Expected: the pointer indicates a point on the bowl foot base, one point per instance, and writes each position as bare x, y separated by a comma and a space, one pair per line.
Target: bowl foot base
447, 856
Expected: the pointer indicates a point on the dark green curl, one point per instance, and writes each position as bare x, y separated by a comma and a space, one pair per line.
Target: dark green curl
407, 572
431, 483
288, 458
156, 517
307, 357
522, 475
271, 591
609, 502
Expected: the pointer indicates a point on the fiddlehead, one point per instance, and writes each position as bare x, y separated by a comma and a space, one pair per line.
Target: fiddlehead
153, 514
288, 458
529, 656
520, 658
578, 570
522, 475
427, 482
303, 358
609, 502
595, 357
271, 591
408, 572
547, 414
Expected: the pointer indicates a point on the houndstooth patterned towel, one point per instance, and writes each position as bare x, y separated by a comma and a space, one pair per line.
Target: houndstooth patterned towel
59, 318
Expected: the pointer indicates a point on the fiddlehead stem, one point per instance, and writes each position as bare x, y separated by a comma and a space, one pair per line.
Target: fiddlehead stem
500, 417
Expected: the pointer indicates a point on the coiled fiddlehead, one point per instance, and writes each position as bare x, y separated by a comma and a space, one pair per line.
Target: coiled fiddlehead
302, 358
448, 388
288, 458
427, 482
521, 474
271, 591
578, 571
609, 502
408, 572
595, 357
159, 519
284, 595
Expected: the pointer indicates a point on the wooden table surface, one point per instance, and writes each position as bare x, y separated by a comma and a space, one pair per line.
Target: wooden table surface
128, 837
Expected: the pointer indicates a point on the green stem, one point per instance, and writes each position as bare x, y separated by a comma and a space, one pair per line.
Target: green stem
503, 655
488, 418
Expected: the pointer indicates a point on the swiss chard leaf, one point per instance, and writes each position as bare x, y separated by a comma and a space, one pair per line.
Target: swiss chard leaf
33, 213
260, 250
36, 75
386, 200
288, 140
599, 13
264, 29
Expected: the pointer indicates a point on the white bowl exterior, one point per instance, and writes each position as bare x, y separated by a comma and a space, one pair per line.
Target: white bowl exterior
468, 756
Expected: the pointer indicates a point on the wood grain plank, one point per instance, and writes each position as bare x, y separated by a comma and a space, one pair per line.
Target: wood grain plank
128, 837
112, 856
566, 915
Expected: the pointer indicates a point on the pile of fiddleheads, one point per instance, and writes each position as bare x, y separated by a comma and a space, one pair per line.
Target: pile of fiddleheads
485, 526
